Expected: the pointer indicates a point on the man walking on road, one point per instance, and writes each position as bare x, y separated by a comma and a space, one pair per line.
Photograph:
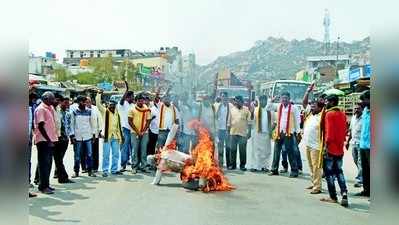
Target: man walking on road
45, 136
82, 134
334, 139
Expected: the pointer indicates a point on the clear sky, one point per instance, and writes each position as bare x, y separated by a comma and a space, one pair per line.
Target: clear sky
209, 28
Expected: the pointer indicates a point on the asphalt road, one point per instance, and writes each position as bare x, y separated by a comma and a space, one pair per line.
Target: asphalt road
131, 199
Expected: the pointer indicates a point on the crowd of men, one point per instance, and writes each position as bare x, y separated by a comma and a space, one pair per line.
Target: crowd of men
139, 124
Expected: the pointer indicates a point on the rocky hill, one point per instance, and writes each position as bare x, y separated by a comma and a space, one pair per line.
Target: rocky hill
277, 58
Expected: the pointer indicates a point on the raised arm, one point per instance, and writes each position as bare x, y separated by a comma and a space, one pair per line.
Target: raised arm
305, 100
100, 106
125, 94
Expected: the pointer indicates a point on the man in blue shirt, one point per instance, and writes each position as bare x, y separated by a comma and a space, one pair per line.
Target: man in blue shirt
365, 144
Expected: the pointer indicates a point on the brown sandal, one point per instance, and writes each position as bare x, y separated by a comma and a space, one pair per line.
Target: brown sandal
329, 200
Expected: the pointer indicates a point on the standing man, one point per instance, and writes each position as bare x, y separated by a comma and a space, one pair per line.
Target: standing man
365, 145
97, 129
334, 139
82, 134
61, 146
353, 143
154, 128
45, 135
168, 115
125, 104
222, 114
240, 131
288, 121
112, 135
139, 119
262, 142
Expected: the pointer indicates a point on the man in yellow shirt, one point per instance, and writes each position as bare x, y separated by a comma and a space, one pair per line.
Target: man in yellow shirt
240, 130
112, 134
139, 118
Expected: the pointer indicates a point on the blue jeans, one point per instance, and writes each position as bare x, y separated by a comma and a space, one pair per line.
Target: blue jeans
358, 162
126, 147
112, 144
223, 142
80, 145
140, 151
333, 169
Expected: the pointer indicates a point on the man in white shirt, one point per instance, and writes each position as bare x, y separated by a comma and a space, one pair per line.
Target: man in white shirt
168, 115
288, 125
261, 137
97, 129
354, 141
154, 127
82, 134
123, 107
222, 113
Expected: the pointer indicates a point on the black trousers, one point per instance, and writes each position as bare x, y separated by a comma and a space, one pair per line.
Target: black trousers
59, 153
44, 159
152, 142
365, 163
242, 144
95, 153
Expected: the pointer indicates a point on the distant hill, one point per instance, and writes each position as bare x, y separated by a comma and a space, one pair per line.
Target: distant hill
277, 58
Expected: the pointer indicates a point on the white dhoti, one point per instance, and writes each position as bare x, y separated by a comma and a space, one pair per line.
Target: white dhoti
262, 150
250, 152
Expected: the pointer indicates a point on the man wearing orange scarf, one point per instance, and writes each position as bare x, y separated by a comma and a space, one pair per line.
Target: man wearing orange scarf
288, 121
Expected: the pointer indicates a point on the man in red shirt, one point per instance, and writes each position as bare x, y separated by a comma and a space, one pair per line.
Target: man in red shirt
334, 139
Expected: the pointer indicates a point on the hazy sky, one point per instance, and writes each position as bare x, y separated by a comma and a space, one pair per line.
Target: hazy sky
209, 28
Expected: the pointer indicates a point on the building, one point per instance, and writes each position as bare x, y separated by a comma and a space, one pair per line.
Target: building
74, 57
43, 65
324, 68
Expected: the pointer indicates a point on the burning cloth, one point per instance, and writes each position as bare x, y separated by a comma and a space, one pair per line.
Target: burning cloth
198, 170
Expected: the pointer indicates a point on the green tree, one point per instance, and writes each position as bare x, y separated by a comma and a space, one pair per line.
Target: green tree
86, 78
61, 74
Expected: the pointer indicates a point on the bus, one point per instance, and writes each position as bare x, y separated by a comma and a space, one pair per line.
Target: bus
296, 89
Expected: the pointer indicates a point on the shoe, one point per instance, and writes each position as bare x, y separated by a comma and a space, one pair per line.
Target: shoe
67, 182
253, 170
51, 188
91, 174
362, 194
273, 173
47, 191
358, 185
309, 188
117, 173
75, 175
134, 171
315, 192
284, 171
123, 169
243, 169
32, 195
266, 170
293, 176
344, 201
105, 175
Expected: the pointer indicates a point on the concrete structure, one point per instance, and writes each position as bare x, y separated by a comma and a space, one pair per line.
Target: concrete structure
73, 57
325, 68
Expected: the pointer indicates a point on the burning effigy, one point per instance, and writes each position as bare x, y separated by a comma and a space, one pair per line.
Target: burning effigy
198, 170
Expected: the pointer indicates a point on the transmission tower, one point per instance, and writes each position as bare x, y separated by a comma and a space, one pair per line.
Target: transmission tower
326, 24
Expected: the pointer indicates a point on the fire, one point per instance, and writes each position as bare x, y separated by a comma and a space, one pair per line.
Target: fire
205, 165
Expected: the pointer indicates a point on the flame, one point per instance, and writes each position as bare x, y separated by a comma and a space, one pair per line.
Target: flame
205, 165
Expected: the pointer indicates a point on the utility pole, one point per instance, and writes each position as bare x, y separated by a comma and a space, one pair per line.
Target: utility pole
336, 63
